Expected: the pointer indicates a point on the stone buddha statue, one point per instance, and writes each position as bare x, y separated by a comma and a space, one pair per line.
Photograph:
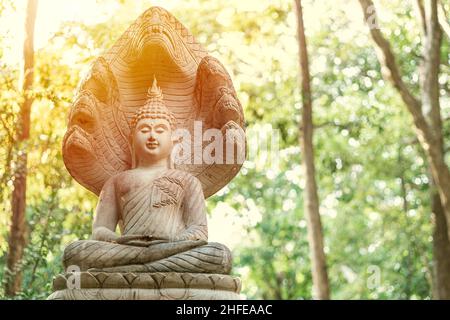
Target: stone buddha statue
119, 145
161, 209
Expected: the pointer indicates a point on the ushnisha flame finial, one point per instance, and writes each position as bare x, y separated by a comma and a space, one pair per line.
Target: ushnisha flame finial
154, 92
154, 107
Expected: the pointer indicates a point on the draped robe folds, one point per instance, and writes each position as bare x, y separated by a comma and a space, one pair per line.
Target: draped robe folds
170, 206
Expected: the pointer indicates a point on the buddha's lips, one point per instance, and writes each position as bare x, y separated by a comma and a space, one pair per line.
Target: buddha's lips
152, 145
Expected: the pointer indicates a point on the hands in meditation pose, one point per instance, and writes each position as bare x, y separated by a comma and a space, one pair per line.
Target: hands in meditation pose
161, 211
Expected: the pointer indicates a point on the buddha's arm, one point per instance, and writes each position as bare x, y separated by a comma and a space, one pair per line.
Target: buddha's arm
107, 214
194, 213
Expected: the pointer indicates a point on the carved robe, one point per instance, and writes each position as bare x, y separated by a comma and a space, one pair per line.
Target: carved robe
170, 206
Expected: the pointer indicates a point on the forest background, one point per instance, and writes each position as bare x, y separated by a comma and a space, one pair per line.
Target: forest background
380, 226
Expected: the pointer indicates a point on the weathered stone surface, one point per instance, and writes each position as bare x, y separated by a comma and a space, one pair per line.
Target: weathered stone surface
159, 280
144, 294
145, 286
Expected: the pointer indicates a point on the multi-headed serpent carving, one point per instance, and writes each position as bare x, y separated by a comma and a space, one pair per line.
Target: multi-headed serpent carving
196, 86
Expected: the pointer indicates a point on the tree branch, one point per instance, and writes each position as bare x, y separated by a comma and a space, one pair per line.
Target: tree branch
391, 71
8, 131
443, 20
429, 71
421, 9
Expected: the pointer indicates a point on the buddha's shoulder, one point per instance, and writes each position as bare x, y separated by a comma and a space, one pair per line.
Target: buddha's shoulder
122, 175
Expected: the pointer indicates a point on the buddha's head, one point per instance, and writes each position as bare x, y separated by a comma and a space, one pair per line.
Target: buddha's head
151, 130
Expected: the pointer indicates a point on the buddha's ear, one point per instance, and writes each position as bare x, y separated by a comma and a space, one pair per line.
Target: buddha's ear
132, 149
175, 139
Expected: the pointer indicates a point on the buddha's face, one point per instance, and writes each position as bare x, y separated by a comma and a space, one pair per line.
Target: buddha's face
152, 139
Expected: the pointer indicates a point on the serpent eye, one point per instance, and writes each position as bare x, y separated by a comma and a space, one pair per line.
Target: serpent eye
226, 110
97, 89
83, 118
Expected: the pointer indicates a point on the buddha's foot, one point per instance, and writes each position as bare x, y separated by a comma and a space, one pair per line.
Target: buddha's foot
210, 258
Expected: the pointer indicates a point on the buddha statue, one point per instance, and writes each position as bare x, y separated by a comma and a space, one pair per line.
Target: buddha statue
161, 210
119, 146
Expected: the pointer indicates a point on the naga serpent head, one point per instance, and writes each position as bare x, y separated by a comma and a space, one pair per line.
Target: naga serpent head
156, 40
95, 146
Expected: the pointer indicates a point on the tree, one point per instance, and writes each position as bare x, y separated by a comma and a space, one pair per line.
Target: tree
431, 33
311, 202
426, 113
17, 236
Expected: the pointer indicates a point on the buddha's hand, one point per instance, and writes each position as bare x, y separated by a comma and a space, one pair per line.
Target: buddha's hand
131, 237
139, 240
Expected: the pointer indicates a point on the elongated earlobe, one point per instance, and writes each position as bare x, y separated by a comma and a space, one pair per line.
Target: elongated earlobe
133, 153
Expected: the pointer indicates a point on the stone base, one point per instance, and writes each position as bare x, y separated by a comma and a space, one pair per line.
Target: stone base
143, 294
145, 286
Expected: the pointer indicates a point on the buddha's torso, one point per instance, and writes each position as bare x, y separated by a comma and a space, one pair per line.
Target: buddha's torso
151, 204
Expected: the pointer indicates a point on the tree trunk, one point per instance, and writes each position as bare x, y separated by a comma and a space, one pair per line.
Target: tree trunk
17, 236
321, 288
441, 252
429, 75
